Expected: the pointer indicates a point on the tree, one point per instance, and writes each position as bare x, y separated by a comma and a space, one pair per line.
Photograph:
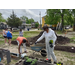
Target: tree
23, 18
36, 25
56, 15
69, 18
73, 14
28, 21
13, 21
31, 20
1, 18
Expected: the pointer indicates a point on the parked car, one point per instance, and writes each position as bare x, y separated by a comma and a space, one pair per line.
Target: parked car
67, 27
15, 29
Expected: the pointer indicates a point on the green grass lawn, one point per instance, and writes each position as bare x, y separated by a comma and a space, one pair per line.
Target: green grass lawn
26, 34
1, 42
72, 40
59, 32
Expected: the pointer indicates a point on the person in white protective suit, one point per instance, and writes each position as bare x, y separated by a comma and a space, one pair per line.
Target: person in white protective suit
49, 35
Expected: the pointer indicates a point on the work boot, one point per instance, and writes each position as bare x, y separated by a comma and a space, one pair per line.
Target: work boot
55, 62
49, 61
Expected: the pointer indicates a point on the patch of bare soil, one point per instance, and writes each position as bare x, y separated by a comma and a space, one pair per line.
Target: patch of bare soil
65, 48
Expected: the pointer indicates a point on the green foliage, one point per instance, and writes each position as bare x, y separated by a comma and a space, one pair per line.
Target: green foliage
52, 17
36, 25
72, 40
35, 60
28, 60
58, 15
28, 21
13, 21
23, 17
33, 63
1, 18
31, 20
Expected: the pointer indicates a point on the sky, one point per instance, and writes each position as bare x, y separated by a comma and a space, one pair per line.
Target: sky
30, 13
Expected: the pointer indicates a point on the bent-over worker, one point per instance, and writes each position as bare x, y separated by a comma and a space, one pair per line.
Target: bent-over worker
20, 41
50, 39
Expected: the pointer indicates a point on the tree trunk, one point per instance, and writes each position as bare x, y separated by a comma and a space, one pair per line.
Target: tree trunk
74, 25
62, 22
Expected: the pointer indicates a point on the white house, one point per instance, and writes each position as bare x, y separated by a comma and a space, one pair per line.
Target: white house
3, 25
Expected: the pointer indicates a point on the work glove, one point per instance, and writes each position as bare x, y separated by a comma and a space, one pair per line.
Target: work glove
51, 45
35, 43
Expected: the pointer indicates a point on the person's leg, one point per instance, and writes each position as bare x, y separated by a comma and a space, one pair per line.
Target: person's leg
52, 54
9, 41
48, 52
24, 45
20, 47
5, 40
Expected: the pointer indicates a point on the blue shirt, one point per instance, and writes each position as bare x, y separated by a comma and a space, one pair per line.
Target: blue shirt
9, 34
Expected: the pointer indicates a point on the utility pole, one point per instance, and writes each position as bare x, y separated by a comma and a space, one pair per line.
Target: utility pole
31, 22
40, 19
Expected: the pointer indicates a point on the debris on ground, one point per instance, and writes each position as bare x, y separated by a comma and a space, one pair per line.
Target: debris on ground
32, 61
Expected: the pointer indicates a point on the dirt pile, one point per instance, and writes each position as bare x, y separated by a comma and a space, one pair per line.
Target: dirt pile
65, 48
15, 43
60, 39
32, 40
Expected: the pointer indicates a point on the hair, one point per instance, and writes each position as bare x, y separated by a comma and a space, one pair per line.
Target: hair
24, 41
5, 28
45, 27
10, 29
20, 29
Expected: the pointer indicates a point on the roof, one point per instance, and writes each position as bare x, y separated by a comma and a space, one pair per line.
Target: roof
34, 22
44, 16
3, 22
22, 20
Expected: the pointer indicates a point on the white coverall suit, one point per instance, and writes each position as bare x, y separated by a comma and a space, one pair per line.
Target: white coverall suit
24, 45
49, 36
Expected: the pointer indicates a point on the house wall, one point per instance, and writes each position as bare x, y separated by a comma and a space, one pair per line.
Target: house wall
43, 21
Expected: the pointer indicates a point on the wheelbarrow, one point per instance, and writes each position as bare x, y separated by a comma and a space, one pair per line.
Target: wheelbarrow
39, 49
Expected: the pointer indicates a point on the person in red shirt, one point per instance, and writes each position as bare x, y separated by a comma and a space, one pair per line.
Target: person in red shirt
20, 41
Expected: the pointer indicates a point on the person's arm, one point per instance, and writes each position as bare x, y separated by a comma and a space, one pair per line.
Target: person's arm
11, 32
28, 42
4, 33
40, 38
